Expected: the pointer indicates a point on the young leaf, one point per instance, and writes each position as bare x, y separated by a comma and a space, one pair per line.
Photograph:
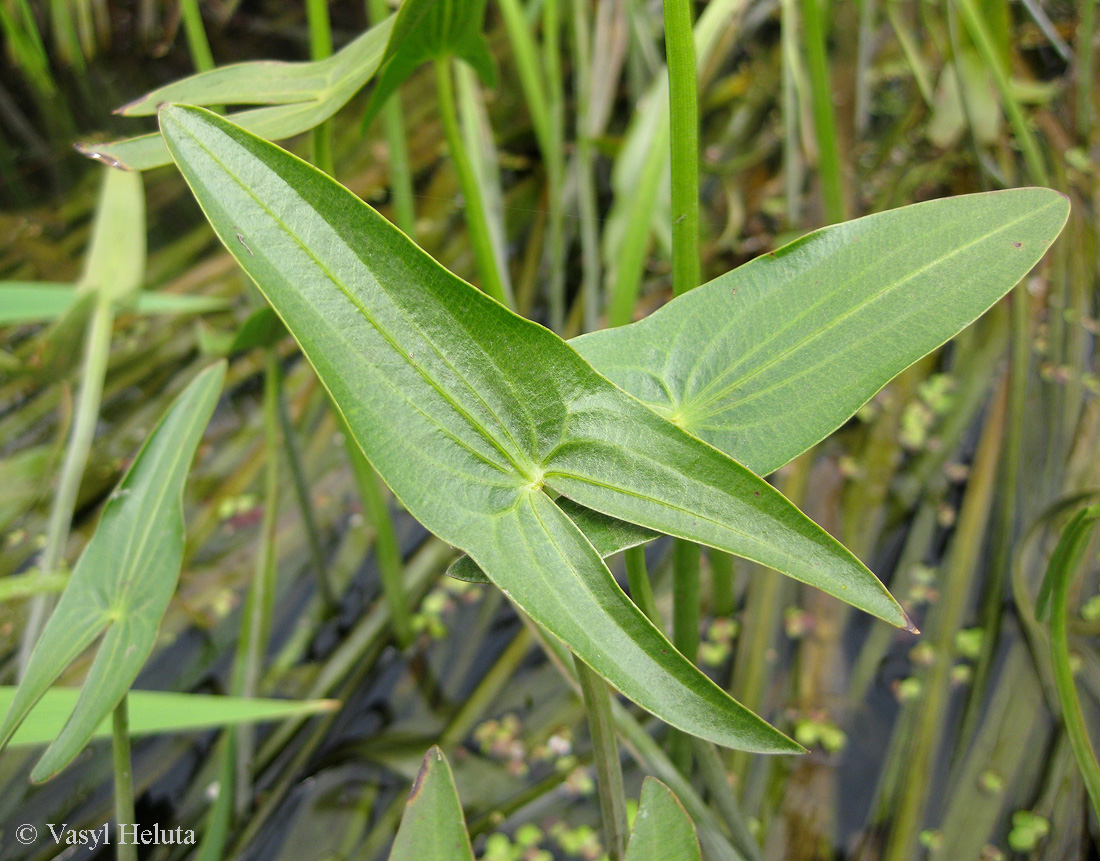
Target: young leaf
296, 97
794, 342
433, 827
467, 410
123, 581
154, 712
430, 30
662, 828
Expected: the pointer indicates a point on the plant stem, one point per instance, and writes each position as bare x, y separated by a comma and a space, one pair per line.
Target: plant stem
684, 124
1073, 544
641, 590
979, 32
124, 777
605, 747
256, 623
197, 43
97, 352
476, 219
721, 583
320, 47
821, 95
387, 552
305, 504
1085, 62
393, 126
684, 147
685, 628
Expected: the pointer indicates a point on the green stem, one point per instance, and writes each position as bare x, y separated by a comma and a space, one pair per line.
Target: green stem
605, 747
1024, 135
685, 628
320, 47
476, 218
124, 777
721, 583
393, 127
641, 590
684, 124
197, 43
305, 504
97, 352
821, 98
258, 608
1085, 63
1073, 545
387, 552
684, 147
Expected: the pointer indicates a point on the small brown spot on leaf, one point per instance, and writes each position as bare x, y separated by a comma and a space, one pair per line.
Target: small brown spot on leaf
1017, 245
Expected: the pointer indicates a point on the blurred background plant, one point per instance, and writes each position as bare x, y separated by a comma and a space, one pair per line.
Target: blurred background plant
953, 484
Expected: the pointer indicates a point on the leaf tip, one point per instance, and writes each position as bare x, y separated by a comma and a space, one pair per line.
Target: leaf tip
90, 151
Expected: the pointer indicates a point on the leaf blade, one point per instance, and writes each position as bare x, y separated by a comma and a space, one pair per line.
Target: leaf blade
432, 826
662, 828
127, 571
874, 295
430, 372
155, 712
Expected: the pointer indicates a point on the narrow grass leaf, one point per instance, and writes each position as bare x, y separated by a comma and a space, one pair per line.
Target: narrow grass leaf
304, 95
770, 358
156, 712
123, 581
469, 412
23, 302
662, 828
1064, 564
431, 30
433, 827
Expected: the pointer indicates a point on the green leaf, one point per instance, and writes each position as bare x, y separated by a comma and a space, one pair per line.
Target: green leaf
794, 342
296, 97
873, 296
114, 266
123, 581
431, 30
153, 712
433, 827
23, 302
468, 411
662, 828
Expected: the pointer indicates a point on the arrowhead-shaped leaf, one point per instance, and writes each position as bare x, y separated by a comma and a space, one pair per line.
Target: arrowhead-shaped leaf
155, 712
769, 359
433, 827
662, 828
123, 581
296, 97
432, 30
469, 412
